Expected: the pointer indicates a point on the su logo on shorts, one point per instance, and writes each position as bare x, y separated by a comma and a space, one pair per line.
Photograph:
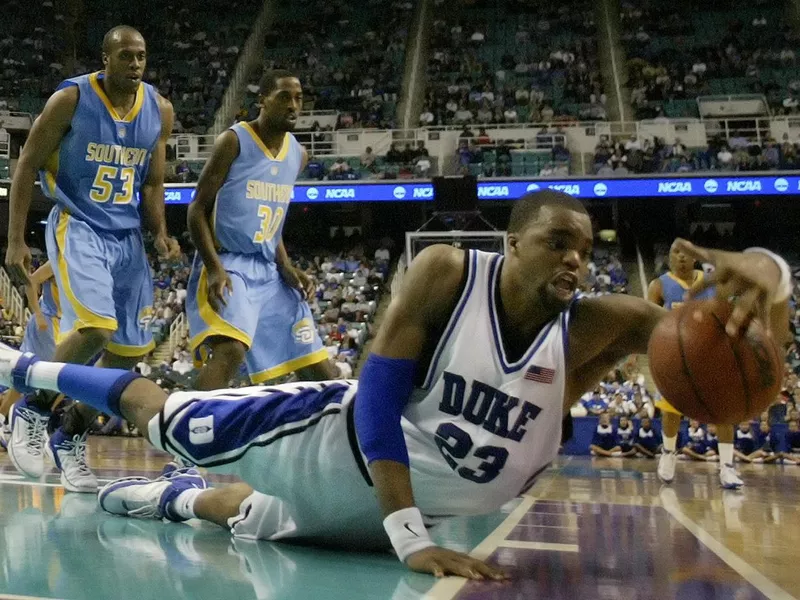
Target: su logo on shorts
303, 331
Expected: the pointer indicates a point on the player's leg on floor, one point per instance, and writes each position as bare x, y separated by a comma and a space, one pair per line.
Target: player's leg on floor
670, 426
226, 356
177, 496
728, 477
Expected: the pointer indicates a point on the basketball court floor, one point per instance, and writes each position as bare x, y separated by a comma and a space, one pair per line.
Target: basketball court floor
588, 529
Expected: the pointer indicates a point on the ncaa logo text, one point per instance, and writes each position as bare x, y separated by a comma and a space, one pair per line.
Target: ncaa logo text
312, 193
399, 192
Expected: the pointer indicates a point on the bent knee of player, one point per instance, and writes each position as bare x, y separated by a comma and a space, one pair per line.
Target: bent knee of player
140, 402
96, 337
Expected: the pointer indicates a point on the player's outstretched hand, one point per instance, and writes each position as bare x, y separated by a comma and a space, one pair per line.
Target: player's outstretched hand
219, 286
167, 247
752, 277
441, 562
18, 261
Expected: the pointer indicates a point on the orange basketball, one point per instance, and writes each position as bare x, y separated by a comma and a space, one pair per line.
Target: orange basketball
708, 375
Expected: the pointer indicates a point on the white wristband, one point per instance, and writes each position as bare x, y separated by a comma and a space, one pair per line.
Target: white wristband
407, 532
785, 284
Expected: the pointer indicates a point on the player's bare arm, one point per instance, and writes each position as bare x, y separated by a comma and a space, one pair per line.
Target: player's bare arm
215, 171
32, 287
152, 192
655, 292
422, 307
46, 134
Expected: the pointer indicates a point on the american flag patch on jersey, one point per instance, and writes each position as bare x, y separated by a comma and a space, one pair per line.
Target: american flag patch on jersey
540, 374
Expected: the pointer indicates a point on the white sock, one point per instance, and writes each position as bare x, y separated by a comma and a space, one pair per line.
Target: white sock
670, 441
183, 505
725, 454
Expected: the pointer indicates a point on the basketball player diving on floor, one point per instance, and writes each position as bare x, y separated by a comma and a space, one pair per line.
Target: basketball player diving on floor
459, 406
99, 149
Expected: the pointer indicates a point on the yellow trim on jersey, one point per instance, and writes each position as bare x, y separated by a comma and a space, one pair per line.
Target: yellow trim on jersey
56, 321
101, 93
698, 276
56, 296
86, 318
259, 142
130, 351
290, 365
665, 406
216, 324
51, 171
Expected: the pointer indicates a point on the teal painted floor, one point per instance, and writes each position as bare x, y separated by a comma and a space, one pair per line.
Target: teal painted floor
589, 529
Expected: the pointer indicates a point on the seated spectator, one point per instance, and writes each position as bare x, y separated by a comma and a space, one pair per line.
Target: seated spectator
315, 168
745, 443
712, 441
626, 437
594, 404
604, 440
695, 447
368, 160
770, 444
792, 443
648, 440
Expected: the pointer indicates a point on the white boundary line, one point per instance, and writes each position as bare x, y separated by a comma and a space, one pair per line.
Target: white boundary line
448, 587
749, 573
548, 546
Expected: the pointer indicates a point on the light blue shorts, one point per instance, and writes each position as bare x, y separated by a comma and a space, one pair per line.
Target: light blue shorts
42, 342
105, 282
271, 319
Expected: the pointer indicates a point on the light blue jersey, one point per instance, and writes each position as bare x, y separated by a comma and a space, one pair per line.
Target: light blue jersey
673, 289
251, 206
98, 169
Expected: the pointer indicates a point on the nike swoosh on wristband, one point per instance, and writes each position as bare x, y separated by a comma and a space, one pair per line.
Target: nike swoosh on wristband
411, 531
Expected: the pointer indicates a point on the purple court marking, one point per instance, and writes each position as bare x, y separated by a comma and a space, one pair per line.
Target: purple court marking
630, 551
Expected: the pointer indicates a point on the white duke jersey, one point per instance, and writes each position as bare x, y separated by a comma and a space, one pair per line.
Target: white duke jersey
481, 428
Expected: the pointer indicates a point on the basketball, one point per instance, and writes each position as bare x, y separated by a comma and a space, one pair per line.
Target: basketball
708, 375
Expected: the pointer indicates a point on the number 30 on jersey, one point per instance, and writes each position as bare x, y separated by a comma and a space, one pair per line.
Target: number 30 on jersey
270, 223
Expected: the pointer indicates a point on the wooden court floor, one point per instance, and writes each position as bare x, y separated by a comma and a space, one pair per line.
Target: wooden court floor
589, 529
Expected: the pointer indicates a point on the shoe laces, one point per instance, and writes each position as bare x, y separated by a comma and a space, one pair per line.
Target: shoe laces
77, 448
37, 428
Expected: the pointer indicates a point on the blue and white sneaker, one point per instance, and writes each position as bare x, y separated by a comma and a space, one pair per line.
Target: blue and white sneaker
729, 478
28, 437
142, 498
69, 455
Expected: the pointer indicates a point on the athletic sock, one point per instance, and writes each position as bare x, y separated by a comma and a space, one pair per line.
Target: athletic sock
99, 388
670, 441
725, 454
183, 505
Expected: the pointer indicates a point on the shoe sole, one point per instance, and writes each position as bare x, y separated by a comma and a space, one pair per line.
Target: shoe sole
70, 487
12, 455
